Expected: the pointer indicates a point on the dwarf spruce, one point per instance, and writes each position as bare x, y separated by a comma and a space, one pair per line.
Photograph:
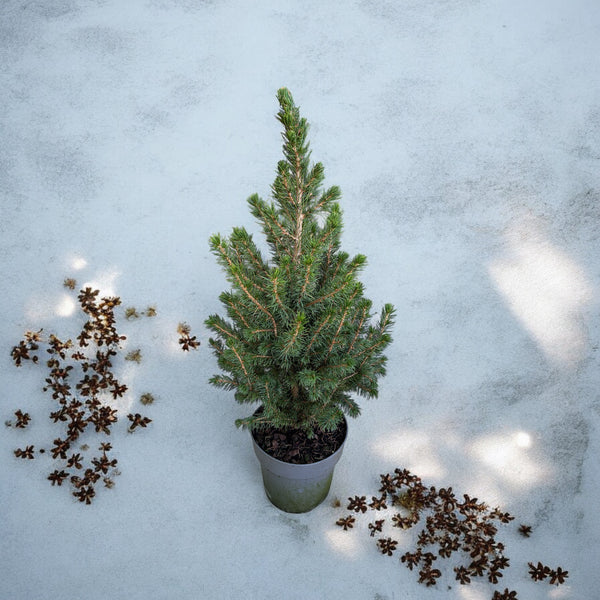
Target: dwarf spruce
298, 337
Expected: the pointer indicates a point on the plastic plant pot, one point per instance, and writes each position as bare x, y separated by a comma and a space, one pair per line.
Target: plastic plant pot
297, 488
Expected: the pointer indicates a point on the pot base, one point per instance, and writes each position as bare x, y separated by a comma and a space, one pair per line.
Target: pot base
299, 498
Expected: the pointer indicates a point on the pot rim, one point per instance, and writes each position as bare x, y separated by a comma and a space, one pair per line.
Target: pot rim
306, 466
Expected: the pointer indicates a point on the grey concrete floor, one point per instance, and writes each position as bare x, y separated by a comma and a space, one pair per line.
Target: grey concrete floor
465, 138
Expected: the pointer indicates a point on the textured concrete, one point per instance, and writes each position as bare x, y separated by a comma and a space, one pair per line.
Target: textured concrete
465, 137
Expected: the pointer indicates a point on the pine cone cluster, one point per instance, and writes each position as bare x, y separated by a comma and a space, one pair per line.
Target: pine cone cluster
84, 403
451, 525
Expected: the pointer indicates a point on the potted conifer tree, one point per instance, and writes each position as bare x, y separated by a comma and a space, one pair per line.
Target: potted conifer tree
298, 337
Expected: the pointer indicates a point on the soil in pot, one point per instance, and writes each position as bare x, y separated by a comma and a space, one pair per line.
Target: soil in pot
294, 446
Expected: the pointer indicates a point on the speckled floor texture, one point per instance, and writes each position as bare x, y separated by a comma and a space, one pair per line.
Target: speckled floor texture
465, 136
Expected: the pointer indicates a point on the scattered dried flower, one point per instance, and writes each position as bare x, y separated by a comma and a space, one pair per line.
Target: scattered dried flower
134, 356
525, 530
411, 559
29, 344
85, 494
376, 527
429, 576
27, 453
505, 595
378, 503
75, 461
138, 420
387, 484
57, 477
462, 574
22, 419
468, 526
538, 572
131, 313
346, 523
183, 328
558, 576
387, 545
357, 504
78, 402
186, 341
60, 448
146, 399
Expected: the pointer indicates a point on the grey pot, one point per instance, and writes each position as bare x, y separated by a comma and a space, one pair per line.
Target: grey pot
297, 488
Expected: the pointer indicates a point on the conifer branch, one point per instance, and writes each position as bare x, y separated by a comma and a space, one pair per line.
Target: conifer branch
253, 253
228, 300
367, 391
358, 328
331, 195
219, 325
369, 351
327, 233
224, 382
255, 331
341, 261
386, 317
330, 294
286, 187
287, 349
241, 262
317, 332
234, 272
306, 279
298, 237
299, 213
314, 179
341, 383
242, 365
258, 305
269, 219
334, 338
267, 392
217, 346
276, 294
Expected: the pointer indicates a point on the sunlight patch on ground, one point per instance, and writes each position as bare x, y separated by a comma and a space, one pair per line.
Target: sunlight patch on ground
490, 464
105, 281
43, 307
473, 591
171, 345
545, 290
340, 541
66, 306
523, 439
564, 591
78, 263
125, 403
122, 404
411, 450
507, 455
